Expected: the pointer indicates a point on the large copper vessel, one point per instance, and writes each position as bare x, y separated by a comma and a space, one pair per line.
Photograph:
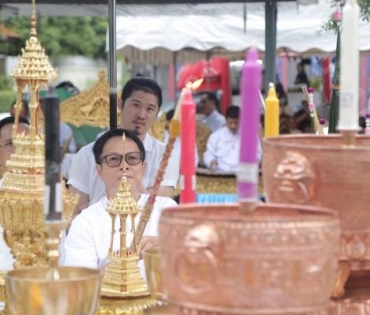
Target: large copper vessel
319, 171
279, 259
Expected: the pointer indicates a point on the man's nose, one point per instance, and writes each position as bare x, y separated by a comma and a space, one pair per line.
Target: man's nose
141, 112
124, 165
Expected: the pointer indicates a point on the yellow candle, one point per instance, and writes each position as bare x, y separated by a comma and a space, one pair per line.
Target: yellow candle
271, 113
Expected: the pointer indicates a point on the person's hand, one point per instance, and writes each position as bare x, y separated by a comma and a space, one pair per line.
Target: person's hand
147, 242
214, 164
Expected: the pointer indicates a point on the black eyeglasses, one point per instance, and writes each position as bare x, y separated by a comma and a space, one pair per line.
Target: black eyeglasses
114, 159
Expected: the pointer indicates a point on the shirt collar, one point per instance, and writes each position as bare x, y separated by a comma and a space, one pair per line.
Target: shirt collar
148, 143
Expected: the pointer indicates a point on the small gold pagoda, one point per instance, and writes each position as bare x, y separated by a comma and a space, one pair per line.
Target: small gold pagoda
124, 291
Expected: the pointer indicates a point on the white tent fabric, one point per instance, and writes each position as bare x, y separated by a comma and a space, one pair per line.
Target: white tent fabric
297, 30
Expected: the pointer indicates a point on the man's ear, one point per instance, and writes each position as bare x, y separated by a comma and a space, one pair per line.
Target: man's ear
99, 170
119, 104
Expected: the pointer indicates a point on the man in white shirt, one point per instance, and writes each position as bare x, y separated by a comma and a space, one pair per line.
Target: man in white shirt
6, 150
89, 237
208, 106
223, 146
141, 101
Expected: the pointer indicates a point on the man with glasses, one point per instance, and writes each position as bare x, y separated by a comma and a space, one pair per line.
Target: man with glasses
141, 101
6, 140
89, 237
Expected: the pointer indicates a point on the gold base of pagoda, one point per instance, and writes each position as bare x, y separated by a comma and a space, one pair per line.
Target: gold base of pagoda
132, 305
2, 287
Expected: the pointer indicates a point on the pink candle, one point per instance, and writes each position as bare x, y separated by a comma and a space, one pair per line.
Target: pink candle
248, 165
187, 165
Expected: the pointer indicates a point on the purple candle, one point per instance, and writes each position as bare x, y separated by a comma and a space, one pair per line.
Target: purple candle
248, 165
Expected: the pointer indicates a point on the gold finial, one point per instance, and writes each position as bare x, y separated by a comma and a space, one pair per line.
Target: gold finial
33, 20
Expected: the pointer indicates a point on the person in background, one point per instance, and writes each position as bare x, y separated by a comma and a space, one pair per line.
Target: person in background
24, 111
301, 77
140, 104
223, 146
89, 237
7, 147
176, 153
6, 150
208, 105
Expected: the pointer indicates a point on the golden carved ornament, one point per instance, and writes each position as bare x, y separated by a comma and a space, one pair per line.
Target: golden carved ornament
22, 192
123, 288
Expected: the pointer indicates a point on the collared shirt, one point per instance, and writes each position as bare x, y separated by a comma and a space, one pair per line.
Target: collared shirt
214, 121
224, 146
84, 177
88, 240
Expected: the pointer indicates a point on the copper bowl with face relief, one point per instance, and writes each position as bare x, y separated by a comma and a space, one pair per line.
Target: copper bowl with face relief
279, 259
320, 171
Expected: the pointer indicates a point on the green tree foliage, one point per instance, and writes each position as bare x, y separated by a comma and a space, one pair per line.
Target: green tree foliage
63, 36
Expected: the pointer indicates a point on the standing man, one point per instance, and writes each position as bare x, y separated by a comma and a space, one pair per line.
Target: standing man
223, 146
141, 101
6, 140
208, 106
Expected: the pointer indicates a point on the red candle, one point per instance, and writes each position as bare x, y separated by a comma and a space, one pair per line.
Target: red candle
187, 164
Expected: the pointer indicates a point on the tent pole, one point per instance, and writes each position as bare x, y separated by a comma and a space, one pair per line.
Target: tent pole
174, 62
112, 70
208, 69
270, 43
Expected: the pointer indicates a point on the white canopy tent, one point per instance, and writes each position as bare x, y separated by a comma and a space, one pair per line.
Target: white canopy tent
298, 29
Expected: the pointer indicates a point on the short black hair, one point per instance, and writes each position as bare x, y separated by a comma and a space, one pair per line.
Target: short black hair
232, 112
11, 119
169, 114
102, 140
142, 84
212, 97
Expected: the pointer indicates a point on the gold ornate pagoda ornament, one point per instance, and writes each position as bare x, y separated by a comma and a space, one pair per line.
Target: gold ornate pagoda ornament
22, 193
124, 291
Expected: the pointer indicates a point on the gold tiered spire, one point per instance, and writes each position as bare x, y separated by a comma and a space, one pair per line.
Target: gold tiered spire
124, 291
122, 275
22, 192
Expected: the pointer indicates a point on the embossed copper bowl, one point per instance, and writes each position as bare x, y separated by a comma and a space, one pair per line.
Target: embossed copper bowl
318, 171
280, 259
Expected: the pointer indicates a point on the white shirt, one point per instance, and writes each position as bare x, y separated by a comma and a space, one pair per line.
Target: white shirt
66, 134
214, 121
224, 146
176, 152
88, 240
83, 175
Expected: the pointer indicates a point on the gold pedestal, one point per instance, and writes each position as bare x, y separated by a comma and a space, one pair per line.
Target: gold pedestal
130, 304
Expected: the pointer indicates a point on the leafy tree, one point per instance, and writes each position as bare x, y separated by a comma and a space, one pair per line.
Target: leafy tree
63, 36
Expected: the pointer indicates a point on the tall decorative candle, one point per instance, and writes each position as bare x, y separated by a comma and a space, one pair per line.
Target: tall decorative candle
187, 165
272, 113
248, 165
349, 68
53, 193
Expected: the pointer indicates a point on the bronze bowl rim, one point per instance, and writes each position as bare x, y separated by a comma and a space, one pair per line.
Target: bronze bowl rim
284, 141
27, 275
188, 211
